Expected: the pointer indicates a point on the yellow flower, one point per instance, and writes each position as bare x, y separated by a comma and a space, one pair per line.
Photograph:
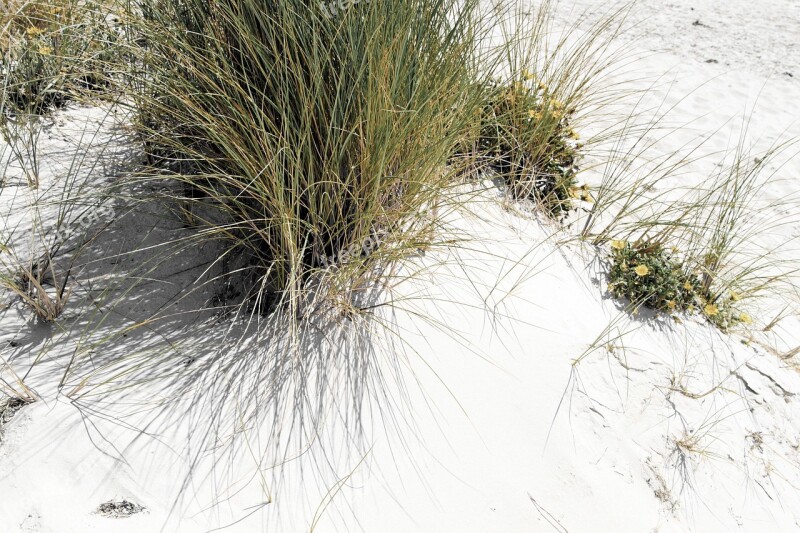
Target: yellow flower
557, 104
671, 304
675, 249
45, 50
641, 270
586, 197
528, 75
691, 308
574, 134
735, 296
688, 286
711, 310
33, 31
542, 86
747, 319
532, 113
618, 244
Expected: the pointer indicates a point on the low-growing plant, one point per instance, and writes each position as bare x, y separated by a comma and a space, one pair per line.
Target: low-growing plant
17, 17
650, 275
55, 51
717, 220
526, 128
526, 138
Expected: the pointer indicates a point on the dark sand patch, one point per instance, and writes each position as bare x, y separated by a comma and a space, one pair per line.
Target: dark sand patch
8, 409
119, 509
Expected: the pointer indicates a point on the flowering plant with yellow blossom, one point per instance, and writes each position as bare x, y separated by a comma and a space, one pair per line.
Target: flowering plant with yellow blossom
648, 274
526, 135
58, 55
652, 275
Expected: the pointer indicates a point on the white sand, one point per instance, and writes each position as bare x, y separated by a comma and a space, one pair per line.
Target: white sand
531, 415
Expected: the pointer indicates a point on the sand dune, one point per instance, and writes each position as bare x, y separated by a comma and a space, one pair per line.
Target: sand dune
543, 406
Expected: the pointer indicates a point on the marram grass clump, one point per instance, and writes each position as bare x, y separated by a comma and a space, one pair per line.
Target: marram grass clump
297, 136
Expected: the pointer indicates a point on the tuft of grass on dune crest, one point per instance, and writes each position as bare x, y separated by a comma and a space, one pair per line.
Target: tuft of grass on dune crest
319, 150
311, 144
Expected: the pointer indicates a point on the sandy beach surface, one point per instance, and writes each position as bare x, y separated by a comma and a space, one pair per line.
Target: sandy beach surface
542, 406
